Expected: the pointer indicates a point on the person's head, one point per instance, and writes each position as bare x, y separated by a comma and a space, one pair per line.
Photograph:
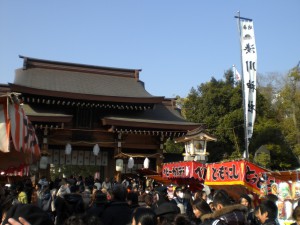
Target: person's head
73, 188
144, 216
106, 179
100, 198
83, 219
211, 205
148, 199
272, 197
267, 210
132, 198
204, 195
197, 194
181, 219
178, 192
245, 200
200, 207
119, 193
166, 212
296, 215
221, 199
38, 186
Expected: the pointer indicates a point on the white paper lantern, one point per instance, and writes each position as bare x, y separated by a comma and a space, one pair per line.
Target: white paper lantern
146, 163
44, 162
130, 163
68, 149
96, 149
119, 165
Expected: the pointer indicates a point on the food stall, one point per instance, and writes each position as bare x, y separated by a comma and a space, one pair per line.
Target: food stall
188, 173
239, 177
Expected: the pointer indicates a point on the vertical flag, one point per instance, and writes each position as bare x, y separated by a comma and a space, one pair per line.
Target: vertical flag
236, 74
4, 125
249, 64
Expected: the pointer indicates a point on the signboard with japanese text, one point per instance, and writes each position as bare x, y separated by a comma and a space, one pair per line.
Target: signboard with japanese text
239, 172
185, 169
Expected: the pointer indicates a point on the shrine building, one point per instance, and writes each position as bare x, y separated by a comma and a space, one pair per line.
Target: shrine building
93, 115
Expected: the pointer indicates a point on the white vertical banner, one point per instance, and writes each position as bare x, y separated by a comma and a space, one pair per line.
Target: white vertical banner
249, 64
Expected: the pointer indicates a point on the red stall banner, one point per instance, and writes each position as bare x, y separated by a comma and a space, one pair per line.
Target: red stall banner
240, 172
184, 169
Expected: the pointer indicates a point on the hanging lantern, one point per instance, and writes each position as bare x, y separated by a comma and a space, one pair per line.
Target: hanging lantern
44, 162
130, 163
96, 149
119, 165
68, 149
146, 163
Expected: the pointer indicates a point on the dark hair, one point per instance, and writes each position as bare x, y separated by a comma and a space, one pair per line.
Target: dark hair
272, 197
270, 207
133, 197
148, 199
248, 199
83, 219
296, 212
73, 188
181, 220
221, 197
177, 189
202, 206
145, 216
119, 192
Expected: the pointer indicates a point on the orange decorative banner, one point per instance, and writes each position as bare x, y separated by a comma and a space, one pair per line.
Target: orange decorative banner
239, 172
184, 169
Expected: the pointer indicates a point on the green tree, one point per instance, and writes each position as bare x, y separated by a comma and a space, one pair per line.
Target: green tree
218, 104
288, 105
171, 147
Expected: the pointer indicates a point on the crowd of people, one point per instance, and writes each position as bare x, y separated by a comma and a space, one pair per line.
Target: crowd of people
71, 201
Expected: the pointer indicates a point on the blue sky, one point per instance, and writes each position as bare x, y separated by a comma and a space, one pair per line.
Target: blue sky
177, 44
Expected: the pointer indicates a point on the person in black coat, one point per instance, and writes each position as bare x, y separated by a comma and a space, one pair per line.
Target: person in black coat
267, 213
226, 213
117, 211
70, 204
200, 208
98, 205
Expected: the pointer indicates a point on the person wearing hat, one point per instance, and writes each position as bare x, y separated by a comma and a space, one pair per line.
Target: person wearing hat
166, 212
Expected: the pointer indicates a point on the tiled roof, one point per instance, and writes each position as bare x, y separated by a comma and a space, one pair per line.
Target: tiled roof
80, 83
159, 116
